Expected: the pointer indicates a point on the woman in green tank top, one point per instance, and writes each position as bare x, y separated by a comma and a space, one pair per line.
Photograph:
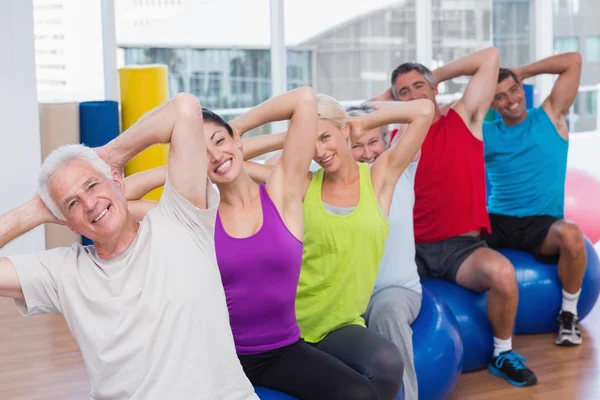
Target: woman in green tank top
345, 225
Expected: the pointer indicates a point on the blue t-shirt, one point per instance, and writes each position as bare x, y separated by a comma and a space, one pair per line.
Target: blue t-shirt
526, 165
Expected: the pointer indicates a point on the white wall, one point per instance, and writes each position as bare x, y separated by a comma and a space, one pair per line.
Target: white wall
584, 152
20, 134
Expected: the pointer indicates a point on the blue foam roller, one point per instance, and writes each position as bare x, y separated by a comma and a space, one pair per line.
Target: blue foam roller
438, 348
540, 291
98, 122
270, 394
469, 309
98, 125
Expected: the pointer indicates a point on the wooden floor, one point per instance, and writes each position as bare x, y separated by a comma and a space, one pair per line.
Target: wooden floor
40, 360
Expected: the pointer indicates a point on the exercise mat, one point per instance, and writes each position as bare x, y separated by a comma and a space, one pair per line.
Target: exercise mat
59, 125
143, 88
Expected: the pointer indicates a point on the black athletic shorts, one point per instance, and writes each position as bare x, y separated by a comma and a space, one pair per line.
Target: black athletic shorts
441, 260
521, 233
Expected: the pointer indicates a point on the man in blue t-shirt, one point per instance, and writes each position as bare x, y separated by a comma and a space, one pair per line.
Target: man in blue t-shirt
526, 162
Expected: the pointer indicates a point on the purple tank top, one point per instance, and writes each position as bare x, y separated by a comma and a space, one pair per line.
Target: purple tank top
260, 276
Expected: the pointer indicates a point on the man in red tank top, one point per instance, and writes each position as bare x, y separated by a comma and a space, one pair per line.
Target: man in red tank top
450, 213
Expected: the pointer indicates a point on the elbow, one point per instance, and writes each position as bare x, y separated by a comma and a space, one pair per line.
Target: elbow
426, 109
306, 95
576, 59
492, 57
187, 105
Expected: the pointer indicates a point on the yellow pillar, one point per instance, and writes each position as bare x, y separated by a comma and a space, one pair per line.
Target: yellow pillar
144, 87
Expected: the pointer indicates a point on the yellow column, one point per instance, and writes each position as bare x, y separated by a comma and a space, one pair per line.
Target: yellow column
144, 87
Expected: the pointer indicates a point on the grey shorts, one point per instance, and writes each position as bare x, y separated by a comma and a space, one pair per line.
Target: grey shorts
441, 260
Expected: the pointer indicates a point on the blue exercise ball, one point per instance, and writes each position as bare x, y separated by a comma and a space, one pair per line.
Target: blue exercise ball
469, 309
438, 348
540, 290
270, 394
401, 394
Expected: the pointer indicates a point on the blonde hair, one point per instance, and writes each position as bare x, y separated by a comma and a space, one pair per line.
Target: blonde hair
331, 110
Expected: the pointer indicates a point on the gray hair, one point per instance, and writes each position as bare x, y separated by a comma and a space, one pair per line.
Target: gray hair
408, 67
59, 158
357, 111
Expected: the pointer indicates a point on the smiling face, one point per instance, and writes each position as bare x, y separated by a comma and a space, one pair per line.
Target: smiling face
413, 85
369, 146
332, 145
92, 204
224, 152
509, 101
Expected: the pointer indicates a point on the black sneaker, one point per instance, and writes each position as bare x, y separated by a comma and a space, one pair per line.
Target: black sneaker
569, 333
511, 366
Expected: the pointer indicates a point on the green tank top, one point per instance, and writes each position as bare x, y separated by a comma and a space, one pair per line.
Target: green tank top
340, 260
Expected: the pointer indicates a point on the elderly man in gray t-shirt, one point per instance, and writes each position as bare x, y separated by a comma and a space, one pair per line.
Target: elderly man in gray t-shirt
145, 302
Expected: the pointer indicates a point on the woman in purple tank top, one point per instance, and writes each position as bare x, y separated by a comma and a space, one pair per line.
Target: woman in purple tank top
258, 244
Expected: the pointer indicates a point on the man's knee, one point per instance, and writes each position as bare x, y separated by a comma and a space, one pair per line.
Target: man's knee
502, 275
571, 238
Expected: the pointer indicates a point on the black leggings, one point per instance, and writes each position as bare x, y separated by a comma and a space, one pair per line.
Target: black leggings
369, 354
307, 374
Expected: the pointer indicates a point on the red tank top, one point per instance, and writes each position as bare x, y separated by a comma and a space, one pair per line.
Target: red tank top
450, 183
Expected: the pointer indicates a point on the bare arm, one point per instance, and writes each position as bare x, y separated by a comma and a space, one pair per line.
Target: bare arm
263, 144
140, 184
300, 107
483, 67
388, 168
258, 172
178, 122
12, 225
564, 92
139, 208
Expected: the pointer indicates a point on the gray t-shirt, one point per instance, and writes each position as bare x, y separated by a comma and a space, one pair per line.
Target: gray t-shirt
152, 323
398, 266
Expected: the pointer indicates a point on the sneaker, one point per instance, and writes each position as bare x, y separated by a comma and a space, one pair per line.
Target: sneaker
511, 366
569, 333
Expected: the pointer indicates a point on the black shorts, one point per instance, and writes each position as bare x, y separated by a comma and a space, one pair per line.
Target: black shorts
525, 234
441, 260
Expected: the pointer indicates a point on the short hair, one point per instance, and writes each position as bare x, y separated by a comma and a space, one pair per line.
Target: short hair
506, 73
357, 111
60, 158
408, 67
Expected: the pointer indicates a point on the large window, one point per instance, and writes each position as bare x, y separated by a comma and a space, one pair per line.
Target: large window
566, 7
591, 106
565, 44
576, 28
459, 28
223, 78
356, 53
512, 31
592, 49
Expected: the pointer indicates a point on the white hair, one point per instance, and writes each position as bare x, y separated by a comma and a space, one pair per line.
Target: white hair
363, 109
61, 157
